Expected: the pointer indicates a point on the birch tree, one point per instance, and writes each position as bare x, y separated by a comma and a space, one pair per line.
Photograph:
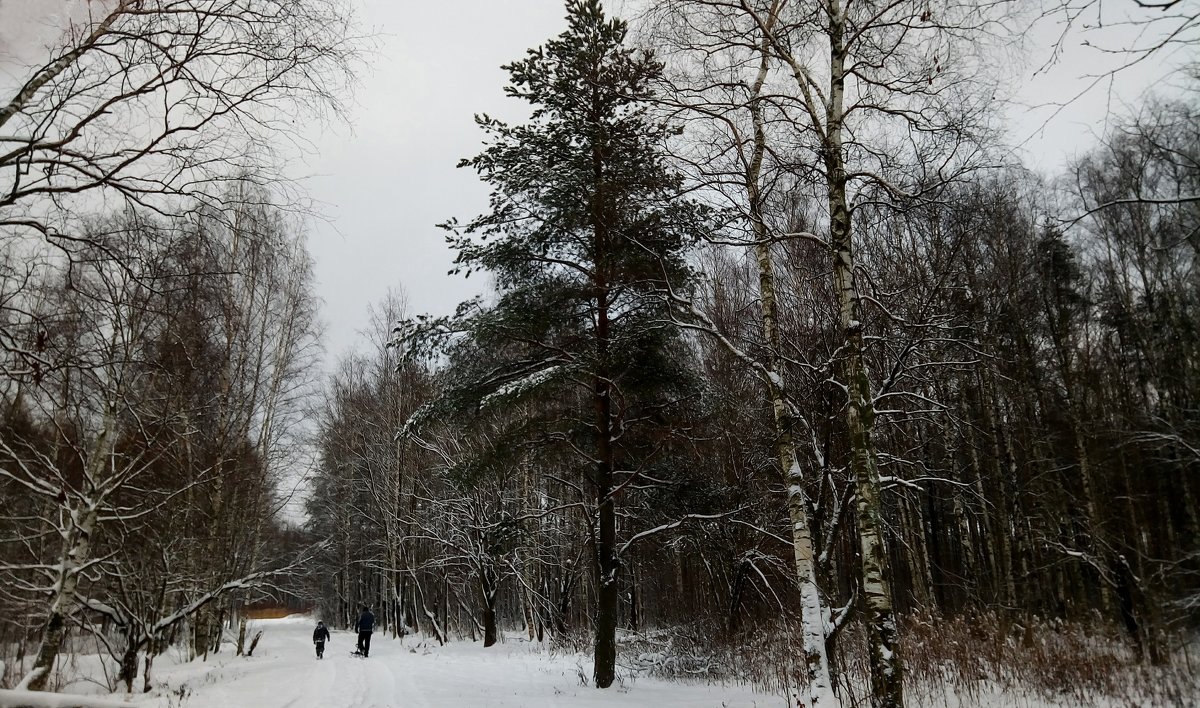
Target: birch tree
158, 106
860, 74
91, 404
122, 435
723, 63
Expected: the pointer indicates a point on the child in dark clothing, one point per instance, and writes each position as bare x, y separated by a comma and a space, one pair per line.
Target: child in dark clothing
320, 636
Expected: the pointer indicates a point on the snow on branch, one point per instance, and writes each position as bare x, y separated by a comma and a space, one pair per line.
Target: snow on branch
520, 386
674, 525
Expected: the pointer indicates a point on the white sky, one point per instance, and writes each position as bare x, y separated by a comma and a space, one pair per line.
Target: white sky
393, 178
389, 177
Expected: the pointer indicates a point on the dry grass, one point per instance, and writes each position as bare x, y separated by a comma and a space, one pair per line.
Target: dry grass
1051, 662
979, 661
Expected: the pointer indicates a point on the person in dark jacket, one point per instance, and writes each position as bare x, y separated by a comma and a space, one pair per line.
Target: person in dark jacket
365, 625
320, 636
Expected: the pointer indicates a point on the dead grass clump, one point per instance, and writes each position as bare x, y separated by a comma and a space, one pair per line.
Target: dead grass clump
963, 661
1052, 661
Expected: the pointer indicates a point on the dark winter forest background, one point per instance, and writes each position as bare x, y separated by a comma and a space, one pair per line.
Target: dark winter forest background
789, 372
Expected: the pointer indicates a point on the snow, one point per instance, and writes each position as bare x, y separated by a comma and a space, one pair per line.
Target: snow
414, 673
520, 386
417, 673
34, 699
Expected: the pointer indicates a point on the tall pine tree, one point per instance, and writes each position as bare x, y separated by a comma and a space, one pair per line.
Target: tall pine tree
587, 228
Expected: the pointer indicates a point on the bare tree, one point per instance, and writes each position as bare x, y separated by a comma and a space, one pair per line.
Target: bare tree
164, 107
723, 63
884, 104
138, 429
365, 495
90, 406
148, 101
1153, 28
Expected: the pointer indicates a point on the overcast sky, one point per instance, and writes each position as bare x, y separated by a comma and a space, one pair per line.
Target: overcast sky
390, 178
386, 179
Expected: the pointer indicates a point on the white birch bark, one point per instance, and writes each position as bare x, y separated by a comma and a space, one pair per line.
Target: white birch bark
77, 526
75, 557
886, 669
820, 686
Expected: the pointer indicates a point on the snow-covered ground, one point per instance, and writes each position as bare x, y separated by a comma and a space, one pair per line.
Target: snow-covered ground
417, 673
408, 673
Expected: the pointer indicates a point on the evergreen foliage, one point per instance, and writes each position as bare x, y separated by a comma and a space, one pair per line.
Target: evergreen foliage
588, 228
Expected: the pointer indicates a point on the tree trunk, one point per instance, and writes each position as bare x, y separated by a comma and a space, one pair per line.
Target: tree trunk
634, 598
562, 619
489, 611
1004, 468
254, 643
76, 553
526, 560
1095, 542
129, 663
241, 643
887, 686
606, 562
607, 589
151, 650
820, 686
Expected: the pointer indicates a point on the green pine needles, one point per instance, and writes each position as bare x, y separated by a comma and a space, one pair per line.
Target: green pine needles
588, 228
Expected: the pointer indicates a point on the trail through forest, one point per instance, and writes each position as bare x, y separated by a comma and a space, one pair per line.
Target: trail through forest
417, 673
791, 373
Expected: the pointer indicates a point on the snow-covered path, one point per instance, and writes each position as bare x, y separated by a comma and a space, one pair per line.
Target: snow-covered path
284, 673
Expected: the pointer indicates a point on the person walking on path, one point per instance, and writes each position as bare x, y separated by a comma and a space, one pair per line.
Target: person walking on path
364, 626
320, 636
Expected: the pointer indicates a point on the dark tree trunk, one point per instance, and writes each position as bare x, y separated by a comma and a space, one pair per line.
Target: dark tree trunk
634, 617
489, 612
607, 588
129, 663
52, 638
563, 618
148, 663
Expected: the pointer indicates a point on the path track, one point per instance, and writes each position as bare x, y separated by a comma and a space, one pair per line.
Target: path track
417, 673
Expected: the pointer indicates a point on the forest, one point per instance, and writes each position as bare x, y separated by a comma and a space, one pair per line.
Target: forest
786, 370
